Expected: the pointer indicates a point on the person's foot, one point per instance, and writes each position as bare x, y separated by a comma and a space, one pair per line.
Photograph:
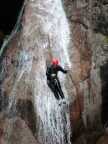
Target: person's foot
64, 101
60, 102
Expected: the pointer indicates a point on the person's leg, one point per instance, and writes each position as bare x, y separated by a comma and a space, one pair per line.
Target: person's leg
53, 89
60, 89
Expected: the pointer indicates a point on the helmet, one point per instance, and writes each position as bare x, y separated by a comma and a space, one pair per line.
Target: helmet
55, 61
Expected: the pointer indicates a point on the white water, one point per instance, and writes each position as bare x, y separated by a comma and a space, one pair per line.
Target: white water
53, 124
25, 66
49, 20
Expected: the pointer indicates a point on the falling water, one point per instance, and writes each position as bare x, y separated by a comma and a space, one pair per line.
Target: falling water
53, 124
49, 20
25, 66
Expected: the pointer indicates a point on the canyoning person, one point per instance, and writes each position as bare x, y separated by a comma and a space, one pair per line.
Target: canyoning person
52, 78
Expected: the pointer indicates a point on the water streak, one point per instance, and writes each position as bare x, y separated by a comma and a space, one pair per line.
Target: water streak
49, 20
53, 123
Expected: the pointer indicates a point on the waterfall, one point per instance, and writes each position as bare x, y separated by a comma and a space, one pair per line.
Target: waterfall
53, 123
49, 20
24, 68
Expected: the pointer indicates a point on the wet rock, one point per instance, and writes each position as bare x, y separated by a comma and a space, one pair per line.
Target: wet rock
17, 132
102, 140
100, 17
3, 99
25, 135
86, 83
78, 130
104, 79
25, 110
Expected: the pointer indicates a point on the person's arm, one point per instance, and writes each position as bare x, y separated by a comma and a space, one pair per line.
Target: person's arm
62, 70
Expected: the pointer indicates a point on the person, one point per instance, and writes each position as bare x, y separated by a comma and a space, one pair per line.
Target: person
52, 78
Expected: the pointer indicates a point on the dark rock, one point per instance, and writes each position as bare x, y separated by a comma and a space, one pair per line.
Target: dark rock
25, 110
104, 79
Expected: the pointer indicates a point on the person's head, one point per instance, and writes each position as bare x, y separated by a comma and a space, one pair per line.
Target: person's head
55, 61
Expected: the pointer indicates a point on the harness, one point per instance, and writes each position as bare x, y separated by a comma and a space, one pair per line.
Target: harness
53, 75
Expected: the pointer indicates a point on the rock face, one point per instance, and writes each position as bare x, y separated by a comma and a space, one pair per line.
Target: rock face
89, 59
15, 131
22, 74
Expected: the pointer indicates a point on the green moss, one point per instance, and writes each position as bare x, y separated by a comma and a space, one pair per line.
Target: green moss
106, 39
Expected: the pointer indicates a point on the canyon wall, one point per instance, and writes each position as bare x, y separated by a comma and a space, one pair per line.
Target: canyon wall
81, 46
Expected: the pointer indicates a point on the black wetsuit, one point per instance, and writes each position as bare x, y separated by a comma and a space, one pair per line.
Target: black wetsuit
53, 81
